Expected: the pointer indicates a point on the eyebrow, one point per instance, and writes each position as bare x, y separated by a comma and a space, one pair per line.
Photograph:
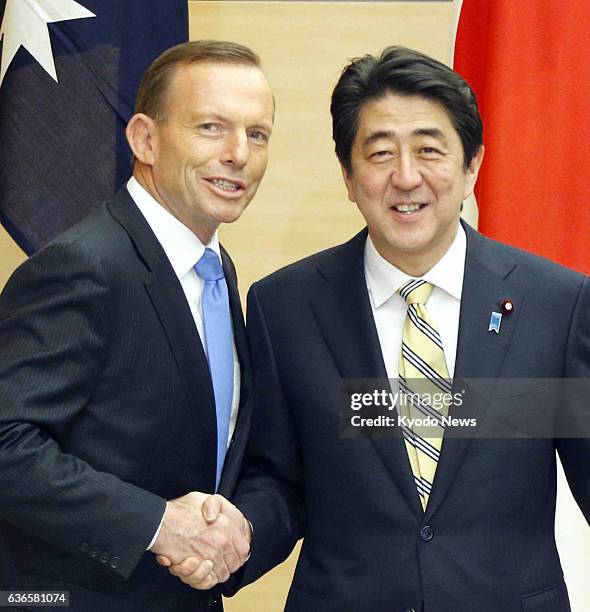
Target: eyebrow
378, 135
433, 132
207, 115
389, 134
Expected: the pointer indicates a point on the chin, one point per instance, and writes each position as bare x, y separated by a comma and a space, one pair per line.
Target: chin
230, 217
409, 240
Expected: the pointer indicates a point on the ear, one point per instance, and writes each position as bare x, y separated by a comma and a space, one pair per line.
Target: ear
347, 176
472, 172
141, 131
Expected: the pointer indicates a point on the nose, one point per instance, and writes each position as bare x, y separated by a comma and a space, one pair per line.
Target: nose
236, 151
407, 175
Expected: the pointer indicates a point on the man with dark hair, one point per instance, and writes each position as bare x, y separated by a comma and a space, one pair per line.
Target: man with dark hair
410, 522
124, 372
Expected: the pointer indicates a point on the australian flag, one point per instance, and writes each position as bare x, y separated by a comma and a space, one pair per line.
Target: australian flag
69, 76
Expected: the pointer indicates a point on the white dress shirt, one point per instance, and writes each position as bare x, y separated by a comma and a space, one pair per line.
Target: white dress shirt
389, 308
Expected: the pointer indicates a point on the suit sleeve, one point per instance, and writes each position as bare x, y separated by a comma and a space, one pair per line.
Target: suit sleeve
55, 318
270, 492
575, 452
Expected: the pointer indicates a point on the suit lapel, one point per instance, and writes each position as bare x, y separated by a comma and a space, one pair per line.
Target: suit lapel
344, 315
236, 313
169, 302
236, 449
480, 353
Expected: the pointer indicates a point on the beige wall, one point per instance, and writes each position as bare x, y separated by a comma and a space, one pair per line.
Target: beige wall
10, 256
302, 206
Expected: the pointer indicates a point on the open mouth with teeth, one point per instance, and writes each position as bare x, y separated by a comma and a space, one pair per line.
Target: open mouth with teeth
410, 208
226, 185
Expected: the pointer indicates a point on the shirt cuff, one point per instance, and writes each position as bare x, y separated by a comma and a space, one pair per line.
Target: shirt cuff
156, 534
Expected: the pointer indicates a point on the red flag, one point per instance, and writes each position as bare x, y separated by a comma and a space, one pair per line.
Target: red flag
529, 64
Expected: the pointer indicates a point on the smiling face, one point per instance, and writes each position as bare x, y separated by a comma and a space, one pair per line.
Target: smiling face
204, 160
408, 179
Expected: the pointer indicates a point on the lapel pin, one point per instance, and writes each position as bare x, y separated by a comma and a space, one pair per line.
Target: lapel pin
506, 306
495, 321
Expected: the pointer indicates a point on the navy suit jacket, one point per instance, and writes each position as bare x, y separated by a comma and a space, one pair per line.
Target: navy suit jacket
106, 411
489, 540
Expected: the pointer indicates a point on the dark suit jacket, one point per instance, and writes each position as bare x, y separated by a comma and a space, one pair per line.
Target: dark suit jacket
106, 411
490, 544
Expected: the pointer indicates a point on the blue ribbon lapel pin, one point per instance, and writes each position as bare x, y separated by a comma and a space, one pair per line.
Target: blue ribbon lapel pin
495, 320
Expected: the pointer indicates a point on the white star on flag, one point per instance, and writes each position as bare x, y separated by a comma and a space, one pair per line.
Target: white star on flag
25, 24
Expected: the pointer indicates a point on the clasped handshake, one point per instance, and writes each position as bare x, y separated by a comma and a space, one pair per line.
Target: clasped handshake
203, 539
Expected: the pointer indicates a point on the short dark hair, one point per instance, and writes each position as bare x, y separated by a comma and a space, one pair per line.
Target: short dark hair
151, 97
402, 71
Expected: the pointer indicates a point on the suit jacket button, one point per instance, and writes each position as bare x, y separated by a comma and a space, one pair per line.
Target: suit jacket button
83, 547
104, 558
94, 552
115, 562
426, 533
213, 603
409, 610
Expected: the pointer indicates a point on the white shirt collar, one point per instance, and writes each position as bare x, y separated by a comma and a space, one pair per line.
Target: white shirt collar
181, 246
384, 279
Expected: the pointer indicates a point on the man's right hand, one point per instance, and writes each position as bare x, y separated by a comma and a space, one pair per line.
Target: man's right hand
185, 532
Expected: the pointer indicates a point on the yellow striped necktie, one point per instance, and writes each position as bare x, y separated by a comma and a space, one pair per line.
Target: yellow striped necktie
423, 377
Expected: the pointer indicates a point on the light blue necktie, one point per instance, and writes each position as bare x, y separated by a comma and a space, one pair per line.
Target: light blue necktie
219, 342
